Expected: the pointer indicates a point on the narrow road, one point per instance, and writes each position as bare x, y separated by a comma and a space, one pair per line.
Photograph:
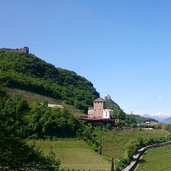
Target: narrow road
140, 152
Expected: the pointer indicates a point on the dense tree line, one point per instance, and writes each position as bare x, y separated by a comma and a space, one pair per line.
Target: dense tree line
38, 121
26, 71
20, 120
15, 154
44, 122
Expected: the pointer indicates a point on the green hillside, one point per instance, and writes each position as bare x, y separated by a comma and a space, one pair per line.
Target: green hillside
32, 97
28, 72
156, 159
20, 71
84, 157
114, 106
114, 142
140, 119
25, 116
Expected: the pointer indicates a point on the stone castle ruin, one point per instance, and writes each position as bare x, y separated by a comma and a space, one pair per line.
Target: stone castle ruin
24, 50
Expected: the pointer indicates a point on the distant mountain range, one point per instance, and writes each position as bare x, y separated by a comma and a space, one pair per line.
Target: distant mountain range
161, 117
167, 120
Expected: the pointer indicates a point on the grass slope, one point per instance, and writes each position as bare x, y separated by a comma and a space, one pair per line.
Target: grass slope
113, 142
74, 154
34, 97
30, 96
157, 159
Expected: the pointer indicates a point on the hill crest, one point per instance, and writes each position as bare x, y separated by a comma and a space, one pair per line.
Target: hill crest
28, 72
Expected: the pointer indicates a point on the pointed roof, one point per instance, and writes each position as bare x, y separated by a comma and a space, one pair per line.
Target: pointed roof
99, 99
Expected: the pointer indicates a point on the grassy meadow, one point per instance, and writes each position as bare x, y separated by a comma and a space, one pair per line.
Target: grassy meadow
74, 154
156, 159
113, 142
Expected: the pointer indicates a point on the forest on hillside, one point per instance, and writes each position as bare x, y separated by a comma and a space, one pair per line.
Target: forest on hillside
28, 72
20, 121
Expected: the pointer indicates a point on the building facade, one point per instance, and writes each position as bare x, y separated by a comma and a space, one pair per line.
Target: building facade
107, 113
98, 111
98, 107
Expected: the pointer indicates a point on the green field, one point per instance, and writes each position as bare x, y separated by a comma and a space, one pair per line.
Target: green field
113, 142
156, 159
74, 154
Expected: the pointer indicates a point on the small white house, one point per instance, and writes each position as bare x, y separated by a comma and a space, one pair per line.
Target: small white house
107, 113
55, 105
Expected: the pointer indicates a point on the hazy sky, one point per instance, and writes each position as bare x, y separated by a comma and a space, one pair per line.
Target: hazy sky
122, 46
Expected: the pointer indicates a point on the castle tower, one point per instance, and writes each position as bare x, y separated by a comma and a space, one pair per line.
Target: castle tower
98, 107
25, 50
108, 98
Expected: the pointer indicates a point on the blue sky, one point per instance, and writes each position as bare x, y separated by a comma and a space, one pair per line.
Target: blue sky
122, 46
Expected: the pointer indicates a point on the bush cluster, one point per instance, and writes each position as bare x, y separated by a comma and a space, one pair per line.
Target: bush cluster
15, 154
131, 149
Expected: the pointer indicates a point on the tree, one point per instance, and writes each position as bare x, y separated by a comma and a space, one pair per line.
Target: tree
15, 154
112, 165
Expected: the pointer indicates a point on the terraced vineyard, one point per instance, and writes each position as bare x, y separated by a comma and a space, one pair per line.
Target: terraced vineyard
113, 142
156, 159
74, 154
